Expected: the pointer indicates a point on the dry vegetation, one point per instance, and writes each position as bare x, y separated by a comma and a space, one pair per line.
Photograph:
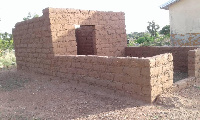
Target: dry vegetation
28, 96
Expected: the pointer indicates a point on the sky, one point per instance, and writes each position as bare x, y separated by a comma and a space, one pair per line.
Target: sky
137, 12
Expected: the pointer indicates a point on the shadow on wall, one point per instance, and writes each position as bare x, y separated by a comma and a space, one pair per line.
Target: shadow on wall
86, 40
181, 58
109, 27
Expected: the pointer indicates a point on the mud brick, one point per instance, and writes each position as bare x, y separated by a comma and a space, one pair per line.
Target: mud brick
133, 72
192, 53
118, 77
38, 50
117, 85
128, 88
116, 62
81, 72
87, 66
167, 84
192, 73
78, 65
192, 60
146, 90
72, 70
113, 69
146, 72
100, 68
102, 60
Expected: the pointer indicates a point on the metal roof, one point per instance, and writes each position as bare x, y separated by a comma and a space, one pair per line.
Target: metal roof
167, 4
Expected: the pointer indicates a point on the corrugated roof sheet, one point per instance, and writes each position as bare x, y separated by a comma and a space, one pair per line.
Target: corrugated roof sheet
167, 4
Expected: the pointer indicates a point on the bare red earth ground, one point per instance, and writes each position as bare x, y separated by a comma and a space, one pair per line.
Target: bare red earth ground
28, 96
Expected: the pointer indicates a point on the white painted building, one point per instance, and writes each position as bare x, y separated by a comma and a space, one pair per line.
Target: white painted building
184, 21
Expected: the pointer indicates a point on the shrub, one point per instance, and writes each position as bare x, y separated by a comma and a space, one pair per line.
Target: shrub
4, 45
145, 39
7, 59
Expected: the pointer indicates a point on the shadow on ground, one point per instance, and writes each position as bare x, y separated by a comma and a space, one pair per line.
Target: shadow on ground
28, 96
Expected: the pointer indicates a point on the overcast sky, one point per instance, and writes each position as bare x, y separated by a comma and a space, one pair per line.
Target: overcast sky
137, 12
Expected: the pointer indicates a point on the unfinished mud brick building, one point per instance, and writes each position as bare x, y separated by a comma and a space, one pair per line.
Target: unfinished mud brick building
95, 53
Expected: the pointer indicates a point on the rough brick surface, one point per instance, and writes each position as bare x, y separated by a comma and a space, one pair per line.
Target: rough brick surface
180, 54
145, 81
86, 40
194, 63
109, 31
48, 45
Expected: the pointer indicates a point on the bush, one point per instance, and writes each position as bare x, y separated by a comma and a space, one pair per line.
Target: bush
5, 44
7, 59
146, 38
151, 41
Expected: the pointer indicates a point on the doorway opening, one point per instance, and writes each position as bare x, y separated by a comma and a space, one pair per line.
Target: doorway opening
86, 40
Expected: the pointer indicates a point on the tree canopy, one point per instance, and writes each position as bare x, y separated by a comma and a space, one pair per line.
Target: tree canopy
153, 28
165, 30
30, 16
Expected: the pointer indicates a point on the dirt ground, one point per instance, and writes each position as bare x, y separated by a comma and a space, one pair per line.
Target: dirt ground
34, 97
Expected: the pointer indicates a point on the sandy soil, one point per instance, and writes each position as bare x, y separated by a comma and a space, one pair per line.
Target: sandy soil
28, 96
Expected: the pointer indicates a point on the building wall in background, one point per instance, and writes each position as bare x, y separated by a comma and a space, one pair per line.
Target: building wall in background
185, 23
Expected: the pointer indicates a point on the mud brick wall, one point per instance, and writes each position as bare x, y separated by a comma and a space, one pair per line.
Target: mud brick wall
32, 43
39, 39
143, 78
161, 74
47, 45
110, 30
180, 54
194, 63
86, 43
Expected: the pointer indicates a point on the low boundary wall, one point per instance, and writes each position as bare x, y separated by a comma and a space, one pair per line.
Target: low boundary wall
180, 54
143, 78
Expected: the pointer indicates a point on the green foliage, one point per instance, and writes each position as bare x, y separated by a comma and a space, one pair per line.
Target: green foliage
148, 38
131, 43
145, 38
135, 35
6, 45
6, 42
30, 16
159, 41
165, 30
153, 28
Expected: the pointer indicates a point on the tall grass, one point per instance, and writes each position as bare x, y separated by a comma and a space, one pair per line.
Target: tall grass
7, 59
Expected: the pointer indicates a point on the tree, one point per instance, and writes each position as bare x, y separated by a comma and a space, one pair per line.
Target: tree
165, 30
30, 16
6, 41
153, 28
144, 39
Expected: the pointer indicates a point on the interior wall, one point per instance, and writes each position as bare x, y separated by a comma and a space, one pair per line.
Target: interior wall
180, 54
86, 40
109, 28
